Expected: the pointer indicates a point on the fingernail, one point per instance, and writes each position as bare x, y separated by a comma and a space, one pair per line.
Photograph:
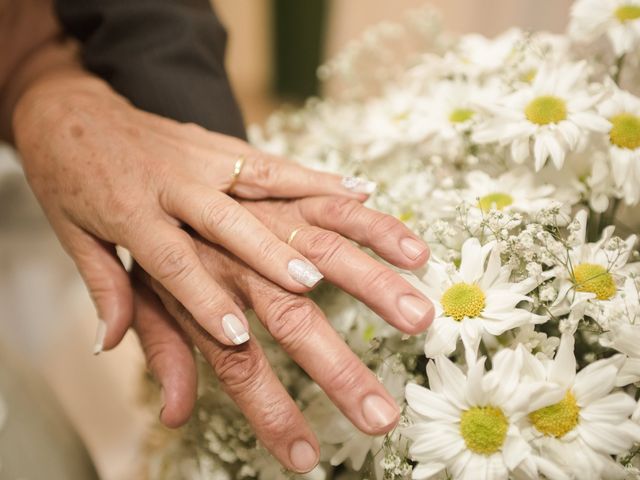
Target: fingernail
378, 412
234, 329
414, 309
304, 273
101, 332
412, 248
359, 185
303, 456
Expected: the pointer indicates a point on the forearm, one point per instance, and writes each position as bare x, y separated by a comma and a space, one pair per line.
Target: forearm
33, 48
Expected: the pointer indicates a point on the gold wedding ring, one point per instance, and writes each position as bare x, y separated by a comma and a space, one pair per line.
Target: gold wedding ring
293, 234
237, 168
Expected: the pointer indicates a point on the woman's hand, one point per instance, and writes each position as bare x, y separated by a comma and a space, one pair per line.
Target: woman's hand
108, 174
294, 321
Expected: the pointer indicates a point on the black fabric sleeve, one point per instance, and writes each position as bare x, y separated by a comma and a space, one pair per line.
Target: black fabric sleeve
165, 56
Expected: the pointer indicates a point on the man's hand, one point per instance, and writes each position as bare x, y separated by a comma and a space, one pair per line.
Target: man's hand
294, 321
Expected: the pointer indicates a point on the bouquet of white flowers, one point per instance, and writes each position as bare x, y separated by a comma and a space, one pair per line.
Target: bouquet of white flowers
515, 158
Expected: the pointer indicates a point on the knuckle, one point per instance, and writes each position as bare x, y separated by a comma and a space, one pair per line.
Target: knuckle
217, 215
324, 247
241, 371
155, 348
379, 277
345, 376
291, 320
172, 261
383, 225
268, 248
341, 208
277, 418
265, 170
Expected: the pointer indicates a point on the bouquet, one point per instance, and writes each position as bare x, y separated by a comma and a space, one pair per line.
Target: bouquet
518, 160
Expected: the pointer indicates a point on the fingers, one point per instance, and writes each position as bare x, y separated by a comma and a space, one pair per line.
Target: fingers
351, 269
107, 282
167, 254
266, 176
269, 176
220, 219
300, 327
169, 357
248, 379
382, 289
384, 234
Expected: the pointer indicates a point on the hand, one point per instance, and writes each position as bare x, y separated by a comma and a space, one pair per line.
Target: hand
108, 174
295, 322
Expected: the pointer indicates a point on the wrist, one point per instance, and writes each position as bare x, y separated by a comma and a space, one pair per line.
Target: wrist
49, 77
44, 106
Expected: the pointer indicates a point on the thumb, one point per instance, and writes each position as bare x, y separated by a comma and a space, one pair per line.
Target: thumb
169, 357
108, 283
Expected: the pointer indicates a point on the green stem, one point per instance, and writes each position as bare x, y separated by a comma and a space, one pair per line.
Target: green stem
619, 65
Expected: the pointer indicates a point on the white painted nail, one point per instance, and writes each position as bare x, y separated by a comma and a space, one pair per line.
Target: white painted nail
234, 329
101, 332
304, 272
359, 185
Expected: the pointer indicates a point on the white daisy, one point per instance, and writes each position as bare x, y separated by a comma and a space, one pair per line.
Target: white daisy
590, 423
589, 273
473, 300
620, 319
398, 118
452, 112
619, 20
550, 117
516, 190
466, 425
479, 55
623, 111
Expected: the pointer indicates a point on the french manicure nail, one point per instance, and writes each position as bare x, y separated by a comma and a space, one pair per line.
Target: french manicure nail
414, 309
378, 412
412, 248
359, 185
101, 332
304, 272
303, 456
234, 329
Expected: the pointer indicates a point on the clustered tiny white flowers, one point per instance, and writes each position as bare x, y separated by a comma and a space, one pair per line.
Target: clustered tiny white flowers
512, 157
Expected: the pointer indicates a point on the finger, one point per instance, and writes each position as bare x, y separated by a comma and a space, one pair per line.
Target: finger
269, 176
249, 380
107, 282
384, 234
167, 254
348, 267
223, 221
355, 272
300, 327
169, 357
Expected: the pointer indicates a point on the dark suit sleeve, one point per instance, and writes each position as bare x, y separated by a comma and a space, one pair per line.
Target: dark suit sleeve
165, 56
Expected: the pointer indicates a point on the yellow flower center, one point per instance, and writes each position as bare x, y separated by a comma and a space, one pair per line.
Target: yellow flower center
558, 419
627, 13
625, 131
484, 429
594, 278
463, 300
495, 200
461, 115
529, 75
546, 109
